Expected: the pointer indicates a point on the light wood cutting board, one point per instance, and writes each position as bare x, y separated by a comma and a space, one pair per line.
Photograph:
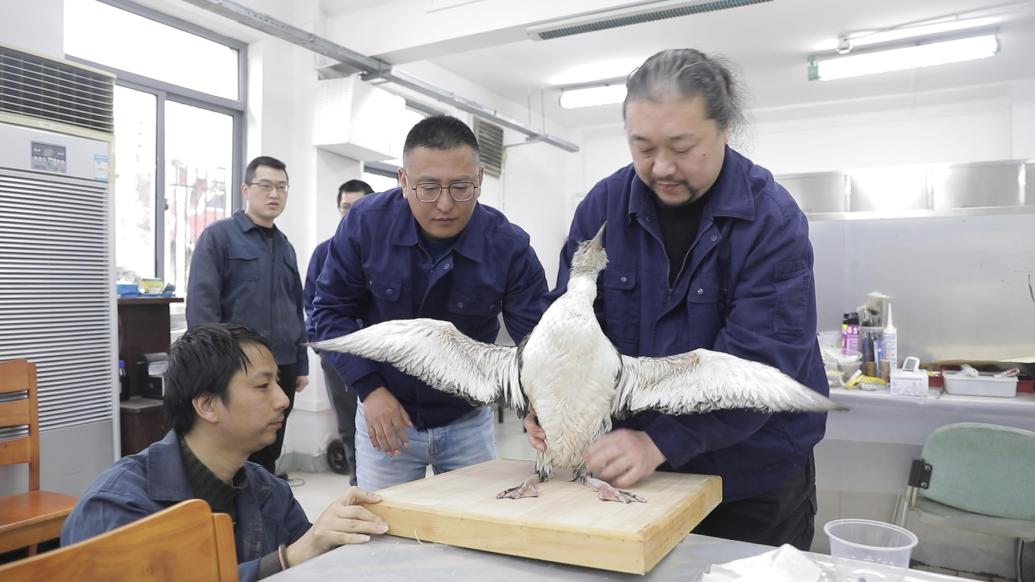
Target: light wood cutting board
566, 523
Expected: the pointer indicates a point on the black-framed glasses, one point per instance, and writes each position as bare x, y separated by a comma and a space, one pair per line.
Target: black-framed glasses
430, 191
267, 186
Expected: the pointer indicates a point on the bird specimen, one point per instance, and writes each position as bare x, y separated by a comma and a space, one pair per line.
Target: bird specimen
573, 377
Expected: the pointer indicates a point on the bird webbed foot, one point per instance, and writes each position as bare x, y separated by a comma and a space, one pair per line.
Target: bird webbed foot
606, 492
528, 488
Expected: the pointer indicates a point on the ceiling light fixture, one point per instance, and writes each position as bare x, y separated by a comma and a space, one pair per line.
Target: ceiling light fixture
575, 97
923, 54
860, 38
638, 13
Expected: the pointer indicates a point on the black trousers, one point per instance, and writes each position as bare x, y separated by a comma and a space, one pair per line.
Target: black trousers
784, 515
268, 455
343, 401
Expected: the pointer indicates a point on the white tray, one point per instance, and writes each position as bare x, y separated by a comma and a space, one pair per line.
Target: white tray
983, 385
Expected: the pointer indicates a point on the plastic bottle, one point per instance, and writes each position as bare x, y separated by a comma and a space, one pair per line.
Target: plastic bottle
891, 342
123, 381
852, 334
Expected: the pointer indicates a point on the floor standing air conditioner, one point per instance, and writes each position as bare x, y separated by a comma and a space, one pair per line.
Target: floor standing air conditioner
57, 300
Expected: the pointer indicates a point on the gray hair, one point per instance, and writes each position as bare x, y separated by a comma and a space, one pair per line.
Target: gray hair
688, 73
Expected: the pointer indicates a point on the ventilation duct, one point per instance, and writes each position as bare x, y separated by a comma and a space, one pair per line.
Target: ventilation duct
644, 12
490, 146
373, 70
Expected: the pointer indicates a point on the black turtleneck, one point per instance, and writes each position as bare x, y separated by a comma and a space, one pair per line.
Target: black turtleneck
679, 226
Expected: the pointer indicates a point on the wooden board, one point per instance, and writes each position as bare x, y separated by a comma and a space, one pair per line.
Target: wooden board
566, 523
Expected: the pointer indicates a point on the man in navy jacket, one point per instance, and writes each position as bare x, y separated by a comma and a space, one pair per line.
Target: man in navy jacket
244, 271
343, 400
706, 250
427, 249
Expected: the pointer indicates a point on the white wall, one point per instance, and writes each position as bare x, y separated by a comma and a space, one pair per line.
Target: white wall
34, 26
994, 125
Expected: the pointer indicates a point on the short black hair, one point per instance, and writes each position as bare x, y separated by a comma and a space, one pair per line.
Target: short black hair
440, 132
249, 172
202, 362
354, 186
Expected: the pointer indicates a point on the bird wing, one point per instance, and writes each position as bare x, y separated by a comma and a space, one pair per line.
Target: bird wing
703, 380
440, 355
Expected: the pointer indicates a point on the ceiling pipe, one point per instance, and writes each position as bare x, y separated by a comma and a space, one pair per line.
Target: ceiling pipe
372, 69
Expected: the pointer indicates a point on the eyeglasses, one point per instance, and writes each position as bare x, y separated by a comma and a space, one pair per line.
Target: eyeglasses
430, 191
267, 186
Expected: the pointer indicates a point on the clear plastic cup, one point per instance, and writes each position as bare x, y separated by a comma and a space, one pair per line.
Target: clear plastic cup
873, 541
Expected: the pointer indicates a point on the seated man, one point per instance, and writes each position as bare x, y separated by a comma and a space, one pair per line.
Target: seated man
222, 396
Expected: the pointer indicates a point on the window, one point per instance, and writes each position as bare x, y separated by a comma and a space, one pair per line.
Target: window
123, 40
178, 129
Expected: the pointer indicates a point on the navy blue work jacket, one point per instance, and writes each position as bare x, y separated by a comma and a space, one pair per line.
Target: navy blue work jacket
236, 278
309, 289
154, 479
378, 270
746, 289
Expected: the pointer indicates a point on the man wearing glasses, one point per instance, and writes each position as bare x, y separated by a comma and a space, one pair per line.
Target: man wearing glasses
426, 249
244, 271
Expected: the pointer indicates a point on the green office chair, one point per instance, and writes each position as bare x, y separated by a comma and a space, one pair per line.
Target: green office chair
979, 478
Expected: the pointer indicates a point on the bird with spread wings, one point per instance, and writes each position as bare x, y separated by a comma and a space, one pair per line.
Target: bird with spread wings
573, 377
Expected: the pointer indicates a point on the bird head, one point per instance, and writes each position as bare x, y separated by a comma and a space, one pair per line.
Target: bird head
590, 258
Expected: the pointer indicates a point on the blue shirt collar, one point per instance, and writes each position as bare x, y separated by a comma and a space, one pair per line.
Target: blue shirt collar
730, 195
245, 223
470, 242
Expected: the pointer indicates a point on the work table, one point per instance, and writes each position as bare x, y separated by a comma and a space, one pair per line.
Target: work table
391, 558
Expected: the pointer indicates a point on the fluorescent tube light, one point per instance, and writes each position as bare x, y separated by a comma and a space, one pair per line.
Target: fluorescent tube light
590, 96
861, 38
898, 59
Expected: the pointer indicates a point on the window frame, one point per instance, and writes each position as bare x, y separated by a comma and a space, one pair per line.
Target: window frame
165, 91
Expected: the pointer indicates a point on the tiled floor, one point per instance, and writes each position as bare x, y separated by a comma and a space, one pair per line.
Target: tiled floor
315, 491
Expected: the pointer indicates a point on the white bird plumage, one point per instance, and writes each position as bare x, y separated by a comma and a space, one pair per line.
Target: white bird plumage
572, 375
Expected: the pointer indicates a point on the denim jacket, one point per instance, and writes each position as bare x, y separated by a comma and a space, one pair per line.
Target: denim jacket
145, 483
746, 289
236, 278
378, 270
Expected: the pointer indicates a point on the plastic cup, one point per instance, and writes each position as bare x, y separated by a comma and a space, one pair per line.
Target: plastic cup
872, 541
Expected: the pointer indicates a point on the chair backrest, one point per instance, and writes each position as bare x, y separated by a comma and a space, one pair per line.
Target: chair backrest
19, 376
982, 468
185, 542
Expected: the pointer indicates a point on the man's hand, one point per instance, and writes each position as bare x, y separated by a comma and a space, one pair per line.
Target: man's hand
344, 522
386, 421
301, 382
623, 457
535, 433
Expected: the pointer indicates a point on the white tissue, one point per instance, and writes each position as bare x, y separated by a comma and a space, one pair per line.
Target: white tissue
784, 564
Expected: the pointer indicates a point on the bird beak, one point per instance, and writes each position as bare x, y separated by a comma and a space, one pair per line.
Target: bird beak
598, 240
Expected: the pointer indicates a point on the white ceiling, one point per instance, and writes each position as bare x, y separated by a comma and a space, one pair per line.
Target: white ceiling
767, 45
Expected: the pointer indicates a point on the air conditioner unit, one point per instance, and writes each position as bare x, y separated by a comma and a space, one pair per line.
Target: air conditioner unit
635, 14
57, 298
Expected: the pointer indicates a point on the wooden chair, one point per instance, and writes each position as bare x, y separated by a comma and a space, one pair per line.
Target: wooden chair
186, 543
26, 519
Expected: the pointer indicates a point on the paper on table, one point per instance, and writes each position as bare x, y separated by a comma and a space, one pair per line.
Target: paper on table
784, 564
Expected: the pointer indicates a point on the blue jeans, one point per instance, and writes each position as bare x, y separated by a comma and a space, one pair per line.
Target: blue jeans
468, 440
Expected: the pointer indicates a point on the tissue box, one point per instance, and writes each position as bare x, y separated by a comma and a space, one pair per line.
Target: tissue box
909, 382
